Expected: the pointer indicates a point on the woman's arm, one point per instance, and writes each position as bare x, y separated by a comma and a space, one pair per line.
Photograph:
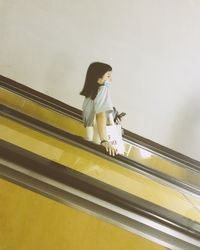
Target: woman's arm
101, 125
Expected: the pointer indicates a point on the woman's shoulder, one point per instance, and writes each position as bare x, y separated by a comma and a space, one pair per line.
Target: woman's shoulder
103, 88
102, 91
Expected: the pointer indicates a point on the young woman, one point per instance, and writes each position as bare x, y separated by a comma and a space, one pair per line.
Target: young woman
97, 105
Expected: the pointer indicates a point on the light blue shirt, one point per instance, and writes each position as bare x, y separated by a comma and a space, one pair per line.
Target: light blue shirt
101, 103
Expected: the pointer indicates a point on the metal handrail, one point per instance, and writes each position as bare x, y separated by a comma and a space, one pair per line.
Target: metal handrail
79, 142
68, 111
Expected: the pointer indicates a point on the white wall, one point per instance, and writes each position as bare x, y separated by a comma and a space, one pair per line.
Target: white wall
153, 46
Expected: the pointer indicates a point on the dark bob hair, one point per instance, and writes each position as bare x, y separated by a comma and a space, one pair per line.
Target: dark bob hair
95, 71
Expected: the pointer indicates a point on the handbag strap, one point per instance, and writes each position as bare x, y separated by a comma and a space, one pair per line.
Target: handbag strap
111, 119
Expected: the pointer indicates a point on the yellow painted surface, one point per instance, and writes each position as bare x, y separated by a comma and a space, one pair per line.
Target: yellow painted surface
156, 162
42, 113
29, 221
98, 168
54, 118
11, 99
77, 128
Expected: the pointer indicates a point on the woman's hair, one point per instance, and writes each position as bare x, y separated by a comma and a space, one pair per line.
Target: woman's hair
95, 71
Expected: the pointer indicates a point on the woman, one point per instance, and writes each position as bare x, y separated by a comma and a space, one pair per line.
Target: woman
97, 106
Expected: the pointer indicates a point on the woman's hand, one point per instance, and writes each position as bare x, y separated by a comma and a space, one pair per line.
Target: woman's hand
109, 148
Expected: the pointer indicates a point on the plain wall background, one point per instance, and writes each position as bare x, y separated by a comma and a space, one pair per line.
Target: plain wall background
152, 45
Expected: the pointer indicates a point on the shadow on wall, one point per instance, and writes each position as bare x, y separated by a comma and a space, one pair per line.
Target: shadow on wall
185, 136
58, 76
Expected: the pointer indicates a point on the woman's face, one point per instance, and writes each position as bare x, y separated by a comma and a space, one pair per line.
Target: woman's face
105, 78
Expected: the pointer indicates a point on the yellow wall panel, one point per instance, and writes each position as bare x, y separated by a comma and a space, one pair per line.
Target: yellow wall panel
156, 162
53, 118
11, 99
42, 113
30, 221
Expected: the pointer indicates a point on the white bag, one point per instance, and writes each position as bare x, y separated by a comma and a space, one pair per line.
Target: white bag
114, 135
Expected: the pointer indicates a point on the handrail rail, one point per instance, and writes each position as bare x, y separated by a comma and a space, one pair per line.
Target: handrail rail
99, 199
79, 142
67, 110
